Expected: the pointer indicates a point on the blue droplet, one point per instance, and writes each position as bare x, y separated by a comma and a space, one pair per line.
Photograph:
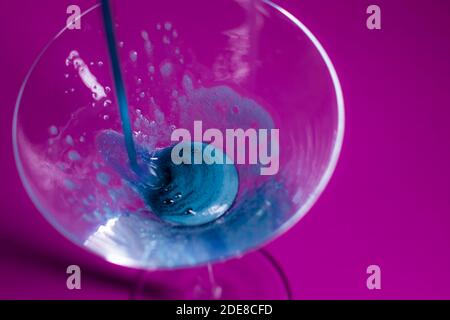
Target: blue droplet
187, 83
103, 178
166, 69
53, 130
167, 26
73, 155
69, 140
69, 184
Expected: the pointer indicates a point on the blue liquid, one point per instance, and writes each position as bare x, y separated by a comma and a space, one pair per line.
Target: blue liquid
119, 84
185, 194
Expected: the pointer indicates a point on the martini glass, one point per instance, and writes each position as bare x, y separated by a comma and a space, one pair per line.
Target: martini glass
230, 64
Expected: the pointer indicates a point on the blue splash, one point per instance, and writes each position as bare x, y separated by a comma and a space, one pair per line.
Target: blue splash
174, 193
184, 194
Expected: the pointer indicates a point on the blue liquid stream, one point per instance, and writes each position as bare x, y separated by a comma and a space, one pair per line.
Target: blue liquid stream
119, 84
183, 194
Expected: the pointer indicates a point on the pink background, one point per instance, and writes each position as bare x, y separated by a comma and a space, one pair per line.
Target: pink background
388, 202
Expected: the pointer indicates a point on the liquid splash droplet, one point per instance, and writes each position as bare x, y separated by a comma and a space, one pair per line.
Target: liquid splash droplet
69, 140
73, 155
133, 56
53, 130
167, 26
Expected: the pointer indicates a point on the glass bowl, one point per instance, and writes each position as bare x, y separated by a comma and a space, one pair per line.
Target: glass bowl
246, 65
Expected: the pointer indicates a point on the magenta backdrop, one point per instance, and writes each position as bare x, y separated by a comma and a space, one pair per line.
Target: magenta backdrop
388, 202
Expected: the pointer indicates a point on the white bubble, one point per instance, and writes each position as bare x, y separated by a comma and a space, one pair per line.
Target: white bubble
107, 103
105, 117
89, 80
66, 75
107, 89
100, 63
